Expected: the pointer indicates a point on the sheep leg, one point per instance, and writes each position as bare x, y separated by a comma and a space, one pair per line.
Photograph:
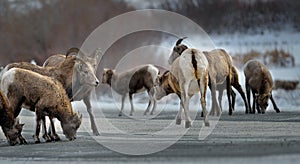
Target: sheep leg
215, 106
54, 136
122, 105
179, 114
258, 107
185, 99
254, 102
37, 130
203, 89
45, 135
238, 87
228, 87
274, 105
154, 106
233, 96
131, 104
248, 96
220, 89
154, 102
88, 105
148, 107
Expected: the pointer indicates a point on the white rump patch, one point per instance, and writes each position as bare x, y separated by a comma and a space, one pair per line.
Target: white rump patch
7, 78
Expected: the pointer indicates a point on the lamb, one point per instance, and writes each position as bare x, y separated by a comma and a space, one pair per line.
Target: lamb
219, 72
188, 75
84, 78
235, 83
133, 81
10, 126
41, 94
259, 81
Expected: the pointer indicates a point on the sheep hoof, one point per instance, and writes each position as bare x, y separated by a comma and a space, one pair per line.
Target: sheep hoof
277, 110
47, 138
37, 141
178, 121
130, 114
188, 124
202, 115
230, 113
55, 138
120, 114
96, 133
151, 113
206, 124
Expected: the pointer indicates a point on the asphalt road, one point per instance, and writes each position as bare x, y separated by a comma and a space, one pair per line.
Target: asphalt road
241, 138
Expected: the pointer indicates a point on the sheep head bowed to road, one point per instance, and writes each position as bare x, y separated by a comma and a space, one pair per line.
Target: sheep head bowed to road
41, 94
259, 81
11, 127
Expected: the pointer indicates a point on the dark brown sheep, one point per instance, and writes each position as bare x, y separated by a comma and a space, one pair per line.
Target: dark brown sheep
41, 94
258, 79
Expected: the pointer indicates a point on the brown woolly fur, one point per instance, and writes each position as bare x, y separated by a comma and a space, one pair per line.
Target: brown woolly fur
42, 94
133, 81
62, 72
259, 80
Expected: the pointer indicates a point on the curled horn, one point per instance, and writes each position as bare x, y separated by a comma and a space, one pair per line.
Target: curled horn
180, 40
71, 50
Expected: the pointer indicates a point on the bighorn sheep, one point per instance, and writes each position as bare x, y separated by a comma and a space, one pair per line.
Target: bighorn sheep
10, 125
63, 72
219, 72
84, 78
235, 83
189, 75
259, 80
133, 81
41, 94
